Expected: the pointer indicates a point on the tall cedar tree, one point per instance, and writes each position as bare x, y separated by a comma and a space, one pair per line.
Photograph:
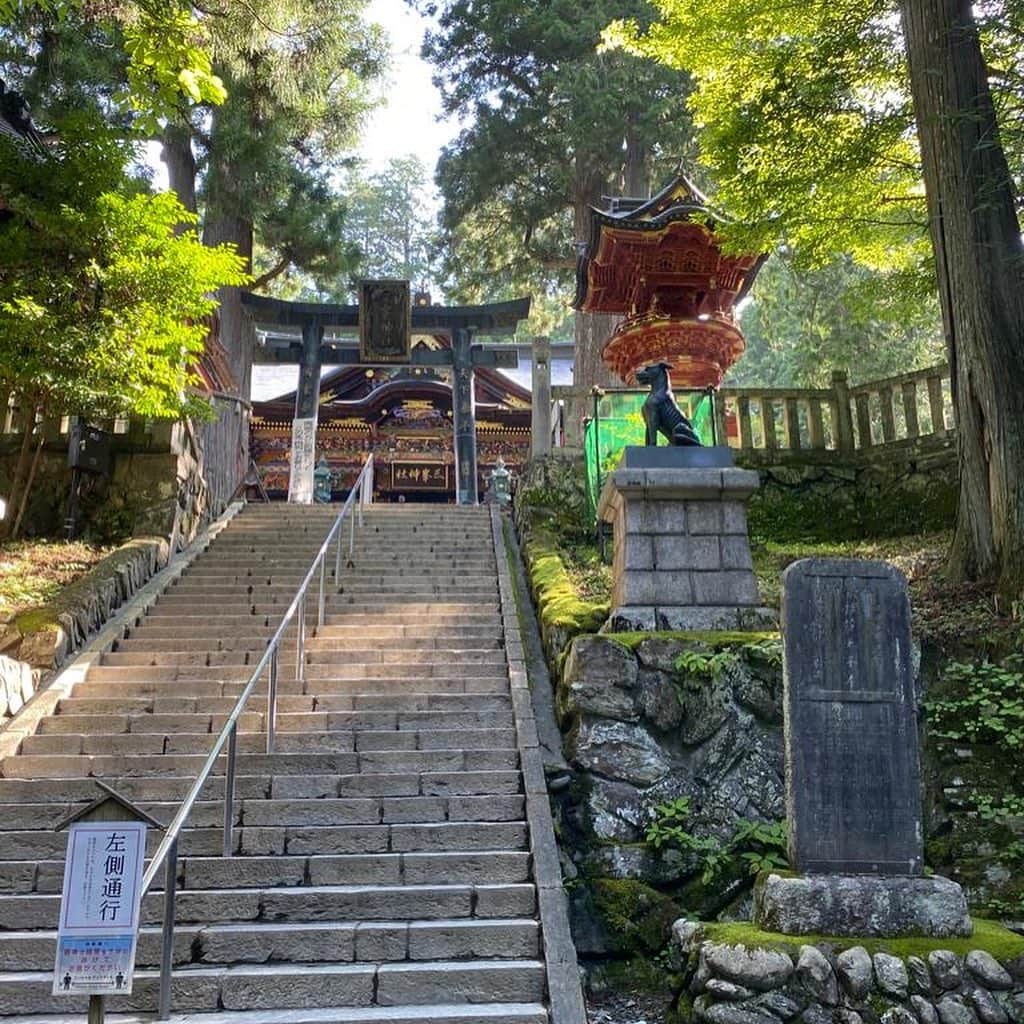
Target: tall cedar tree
553, 126
976, 236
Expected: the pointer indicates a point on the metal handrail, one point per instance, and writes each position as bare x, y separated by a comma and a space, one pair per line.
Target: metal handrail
166, 855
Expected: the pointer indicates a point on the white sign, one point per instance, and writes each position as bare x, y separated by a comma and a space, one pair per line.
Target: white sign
303, 460
99, 908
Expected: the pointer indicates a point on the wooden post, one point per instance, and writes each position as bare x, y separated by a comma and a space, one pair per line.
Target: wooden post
910, 408
743, 414
768, 423
540, 415
936, 405
718, 407
863, 419
96, 1010
815, 425
792, 409
843, 422
888, 416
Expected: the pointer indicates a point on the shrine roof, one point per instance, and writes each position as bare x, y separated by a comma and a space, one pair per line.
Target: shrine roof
680, 202
347, 391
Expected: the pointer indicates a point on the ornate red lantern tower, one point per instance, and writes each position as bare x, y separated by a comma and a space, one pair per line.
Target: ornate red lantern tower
657, 262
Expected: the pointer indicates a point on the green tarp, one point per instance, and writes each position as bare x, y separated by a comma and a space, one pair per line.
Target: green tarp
619, 422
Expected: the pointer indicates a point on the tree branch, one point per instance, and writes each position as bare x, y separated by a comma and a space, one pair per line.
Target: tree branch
275, 271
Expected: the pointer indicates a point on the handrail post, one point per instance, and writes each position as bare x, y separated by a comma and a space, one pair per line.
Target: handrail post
272, 703
300, 643
337, 557
322, 598
352, 537
229, 791
167, 950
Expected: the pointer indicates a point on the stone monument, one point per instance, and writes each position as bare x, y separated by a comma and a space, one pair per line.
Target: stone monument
681, 556
853, 779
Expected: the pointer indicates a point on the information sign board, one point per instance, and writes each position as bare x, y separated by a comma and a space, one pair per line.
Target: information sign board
99, 908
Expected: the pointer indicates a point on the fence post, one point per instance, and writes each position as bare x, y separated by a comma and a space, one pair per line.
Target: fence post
844, 421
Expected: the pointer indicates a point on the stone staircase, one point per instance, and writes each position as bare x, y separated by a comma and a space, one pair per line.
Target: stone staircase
383, 867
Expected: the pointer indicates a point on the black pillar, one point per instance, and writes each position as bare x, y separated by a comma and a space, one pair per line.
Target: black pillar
464, 416
307, 405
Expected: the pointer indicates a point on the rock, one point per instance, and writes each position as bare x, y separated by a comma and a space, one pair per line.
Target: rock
870, 906
615, 810
815, 976
988, 970
1013, 1004
760, 693
920, 976
44, 648
818, 1014
987, 1009
599, 678
727, 990
687, 934
759, 969
953, 1010
923, 1010
946, 967
845, 1015
619, 750
658, 699
17, 685
778, 1003
898, 1015
660, 654
730, 1013
706, 705
891, 975
853, 966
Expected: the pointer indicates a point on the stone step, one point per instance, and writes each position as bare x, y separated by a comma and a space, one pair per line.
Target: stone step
67, 792
240, 872
270, 812
241, 673
279, 986
306, 903
70, 723
410, 703
25, 766
245, 574
304, 943
112, 689
435, 837
317, 651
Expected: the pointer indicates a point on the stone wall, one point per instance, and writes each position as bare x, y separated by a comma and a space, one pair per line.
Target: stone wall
651, 719
18, 683
901, 487
42, 638
732, 983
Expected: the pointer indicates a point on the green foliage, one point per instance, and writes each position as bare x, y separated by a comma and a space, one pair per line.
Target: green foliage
803, 324
168, 62
988, 706
558, 600
755, 845
806, 123
103, 306
710, 664
550, 126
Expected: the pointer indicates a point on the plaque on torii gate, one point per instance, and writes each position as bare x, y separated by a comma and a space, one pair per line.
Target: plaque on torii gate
460, 323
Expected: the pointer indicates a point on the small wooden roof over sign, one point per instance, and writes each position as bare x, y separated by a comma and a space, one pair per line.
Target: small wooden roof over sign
109, 806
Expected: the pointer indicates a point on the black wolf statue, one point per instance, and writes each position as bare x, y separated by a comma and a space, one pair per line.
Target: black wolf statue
661, 414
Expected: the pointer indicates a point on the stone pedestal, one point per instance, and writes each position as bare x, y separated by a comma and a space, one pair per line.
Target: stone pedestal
869, 906
682, 557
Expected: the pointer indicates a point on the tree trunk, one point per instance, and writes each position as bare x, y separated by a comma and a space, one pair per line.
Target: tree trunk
20, 469
234, 328
181, 165
978, 254
27, 489
592, 330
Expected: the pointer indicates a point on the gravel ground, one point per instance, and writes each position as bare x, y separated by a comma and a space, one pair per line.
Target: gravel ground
612, 1009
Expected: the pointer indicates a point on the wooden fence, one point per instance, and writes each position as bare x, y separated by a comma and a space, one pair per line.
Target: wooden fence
841, 418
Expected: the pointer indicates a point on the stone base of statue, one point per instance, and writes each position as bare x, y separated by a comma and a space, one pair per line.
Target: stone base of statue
870, 906
682, 555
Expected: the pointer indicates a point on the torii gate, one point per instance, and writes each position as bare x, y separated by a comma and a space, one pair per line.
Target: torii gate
460, 323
